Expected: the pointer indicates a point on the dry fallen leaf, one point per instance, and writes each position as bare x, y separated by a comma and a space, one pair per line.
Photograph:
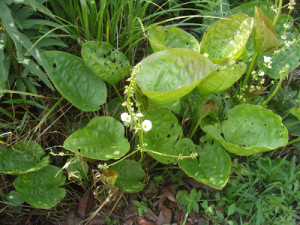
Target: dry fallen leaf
85, 203
165, 215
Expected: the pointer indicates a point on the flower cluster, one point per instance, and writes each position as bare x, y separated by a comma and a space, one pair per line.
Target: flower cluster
291, 4
146, 124
268, 62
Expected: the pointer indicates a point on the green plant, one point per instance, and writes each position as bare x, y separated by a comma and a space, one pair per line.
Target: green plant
23, 36
188, 201
141, 206
181, 72
267, 191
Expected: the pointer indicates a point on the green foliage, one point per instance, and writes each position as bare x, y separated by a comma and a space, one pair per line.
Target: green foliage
102, 139
161, 139
23, 158
222, 78
211, 166
249, 129
189, 201
265, 192
222, 46
265, 39
130, 176
168, 75
162, 38
198, 84
78, 84
141, 207
106, 62
41, 188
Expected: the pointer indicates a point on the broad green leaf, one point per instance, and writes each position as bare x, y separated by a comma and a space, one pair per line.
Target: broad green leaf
168, 75
23, 158
75, 81
102, 139
41, 188
222, 78
77, 168
130, 176
106, 62
212, 165
295, 112
161, 139
265, 39
249, 129
249, 8
227, 38
162, 38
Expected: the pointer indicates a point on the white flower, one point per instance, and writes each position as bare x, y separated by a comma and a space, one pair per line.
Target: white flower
139, 115
206, 55
262, 73
286, 25
283, 37
147, 125
267, 59
125, 117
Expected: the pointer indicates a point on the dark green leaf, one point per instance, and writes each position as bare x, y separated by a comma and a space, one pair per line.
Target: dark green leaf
75, 81
103, 139
41, 188
162, 38
106, 62
163, 135
23, 158
130, 174
212, 165
249, 129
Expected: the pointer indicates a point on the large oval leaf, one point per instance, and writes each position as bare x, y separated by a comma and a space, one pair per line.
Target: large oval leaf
249, 129
23, 158
41, 188
103, 139
212, 165
161, 139
162, 38
75, 81
106, 62
222, 78
265, 39
130, 174
168, 75
227, 38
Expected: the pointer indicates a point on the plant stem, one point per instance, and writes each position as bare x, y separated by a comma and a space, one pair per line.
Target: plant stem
48, 113
195, 128
254, 57
185, 218
278, 13
118, 93
274, 92
293, 141
125, 157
